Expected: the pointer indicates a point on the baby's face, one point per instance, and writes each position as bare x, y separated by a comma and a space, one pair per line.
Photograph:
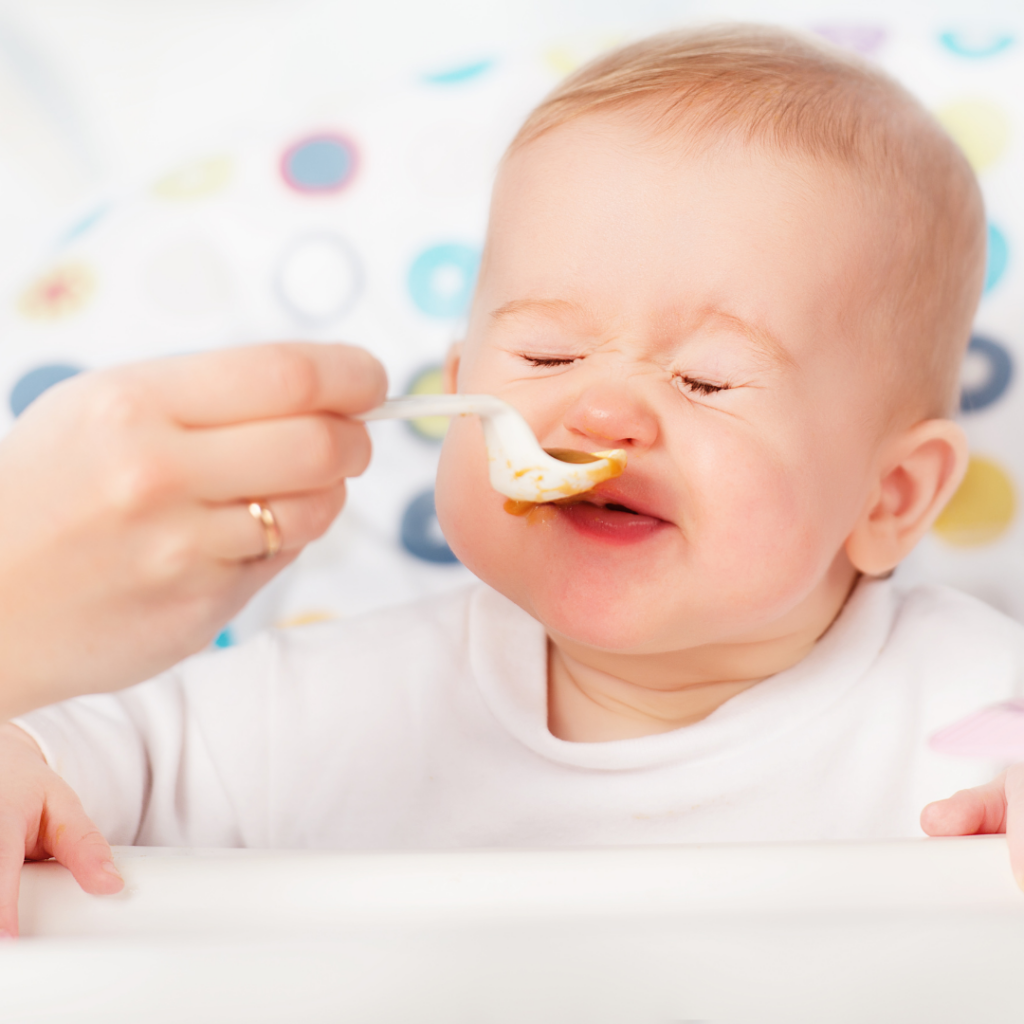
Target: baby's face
700, 311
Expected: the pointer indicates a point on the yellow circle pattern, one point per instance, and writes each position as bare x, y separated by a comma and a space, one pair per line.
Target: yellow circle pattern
429, 382
980, 128
194, 181
310, 618
982, 508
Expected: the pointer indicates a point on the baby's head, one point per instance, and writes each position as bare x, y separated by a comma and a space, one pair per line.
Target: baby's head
752, 262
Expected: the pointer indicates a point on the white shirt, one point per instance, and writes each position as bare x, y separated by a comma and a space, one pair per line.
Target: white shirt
426, 726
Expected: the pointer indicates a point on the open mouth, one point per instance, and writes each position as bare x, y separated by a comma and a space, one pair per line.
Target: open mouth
520, 508
595, 506
613, 522
595, 515
613, 506
613, 500
605, 513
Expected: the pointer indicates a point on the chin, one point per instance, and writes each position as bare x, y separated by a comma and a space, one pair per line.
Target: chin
605, 621
600, 608
605, 615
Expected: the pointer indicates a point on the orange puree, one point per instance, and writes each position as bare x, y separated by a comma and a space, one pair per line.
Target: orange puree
522, 508
531, 509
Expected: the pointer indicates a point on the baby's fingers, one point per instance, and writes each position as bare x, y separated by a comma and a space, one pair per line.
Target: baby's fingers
970, 812
71, 838
65, 833
12, 856
998, 806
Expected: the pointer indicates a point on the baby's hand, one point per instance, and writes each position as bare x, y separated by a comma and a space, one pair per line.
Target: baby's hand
41, 817
998, 806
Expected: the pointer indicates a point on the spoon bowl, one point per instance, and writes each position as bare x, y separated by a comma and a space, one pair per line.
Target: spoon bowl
519, 468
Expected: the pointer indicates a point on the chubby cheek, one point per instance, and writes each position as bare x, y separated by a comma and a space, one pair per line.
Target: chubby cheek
770, 531
766, 533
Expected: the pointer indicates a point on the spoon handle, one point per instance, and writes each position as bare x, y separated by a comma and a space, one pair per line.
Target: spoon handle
412, 407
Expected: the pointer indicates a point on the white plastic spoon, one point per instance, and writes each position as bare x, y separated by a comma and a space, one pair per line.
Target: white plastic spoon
520, 468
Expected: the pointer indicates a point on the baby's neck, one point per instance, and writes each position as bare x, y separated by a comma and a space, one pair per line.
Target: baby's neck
594, 695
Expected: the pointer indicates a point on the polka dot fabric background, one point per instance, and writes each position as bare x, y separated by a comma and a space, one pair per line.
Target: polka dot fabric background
367, 226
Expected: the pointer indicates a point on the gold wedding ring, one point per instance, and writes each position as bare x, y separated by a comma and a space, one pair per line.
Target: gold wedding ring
271, 531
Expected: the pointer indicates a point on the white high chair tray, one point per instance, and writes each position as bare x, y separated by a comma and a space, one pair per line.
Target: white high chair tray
928, 930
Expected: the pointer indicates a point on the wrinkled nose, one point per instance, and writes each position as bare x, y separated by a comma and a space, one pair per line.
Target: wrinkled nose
613, 416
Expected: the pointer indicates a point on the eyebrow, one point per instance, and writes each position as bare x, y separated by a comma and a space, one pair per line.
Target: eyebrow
763, 339
551, 308
760, 336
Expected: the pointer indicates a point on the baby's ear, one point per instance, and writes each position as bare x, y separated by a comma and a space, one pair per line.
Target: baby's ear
918, 475
450, 373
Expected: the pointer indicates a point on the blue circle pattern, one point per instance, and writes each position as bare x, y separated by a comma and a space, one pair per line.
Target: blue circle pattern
1000, 373
320, 165
425, 279
997, 259
36, 381
421, 535
956, 43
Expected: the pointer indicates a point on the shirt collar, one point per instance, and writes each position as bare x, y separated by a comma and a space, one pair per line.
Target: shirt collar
508, 658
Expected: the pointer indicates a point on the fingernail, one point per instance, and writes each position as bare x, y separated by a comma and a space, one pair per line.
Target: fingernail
108, 867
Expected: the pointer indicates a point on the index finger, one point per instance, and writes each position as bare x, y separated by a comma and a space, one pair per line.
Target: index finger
265, 382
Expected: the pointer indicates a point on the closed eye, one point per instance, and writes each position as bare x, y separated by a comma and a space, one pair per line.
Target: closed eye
696, 386
550, 360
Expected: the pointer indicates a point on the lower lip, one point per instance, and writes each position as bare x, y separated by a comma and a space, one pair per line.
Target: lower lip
607, 524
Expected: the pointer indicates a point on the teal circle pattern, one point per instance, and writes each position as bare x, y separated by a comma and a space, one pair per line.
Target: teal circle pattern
442, 279
460, 74
85, 225
963, 46
224, 639
998, 257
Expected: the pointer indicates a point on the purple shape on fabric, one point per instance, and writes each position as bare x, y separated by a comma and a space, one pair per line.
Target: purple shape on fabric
864, 39
995, 733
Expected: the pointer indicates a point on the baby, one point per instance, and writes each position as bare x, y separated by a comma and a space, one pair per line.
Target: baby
752, 263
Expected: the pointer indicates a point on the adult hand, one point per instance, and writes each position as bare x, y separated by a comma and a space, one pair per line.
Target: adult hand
126, 540
996, 807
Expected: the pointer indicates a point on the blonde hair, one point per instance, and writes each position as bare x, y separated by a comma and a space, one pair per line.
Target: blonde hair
764, 85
